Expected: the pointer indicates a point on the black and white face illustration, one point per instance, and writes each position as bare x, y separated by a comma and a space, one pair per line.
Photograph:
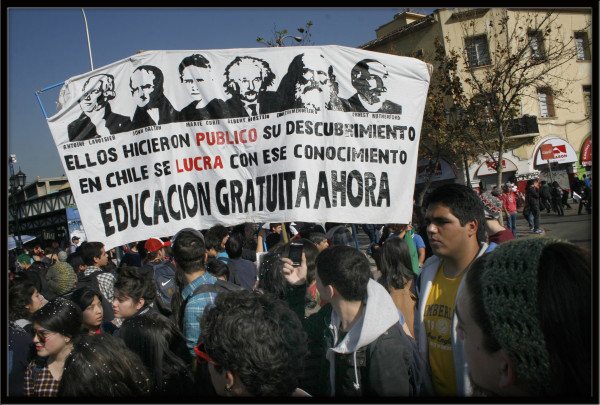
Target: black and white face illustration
313, 81
195, 78
97, 91
142, 87
247, 77
368, 78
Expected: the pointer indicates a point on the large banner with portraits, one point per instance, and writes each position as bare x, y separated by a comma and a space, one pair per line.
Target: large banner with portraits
165, 140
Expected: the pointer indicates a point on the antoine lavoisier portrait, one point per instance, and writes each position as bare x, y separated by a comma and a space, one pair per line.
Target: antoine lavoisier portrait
97, 118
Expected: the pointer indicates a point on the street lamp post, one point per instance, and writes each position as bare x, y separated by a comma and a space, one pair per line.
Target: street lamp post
17, 182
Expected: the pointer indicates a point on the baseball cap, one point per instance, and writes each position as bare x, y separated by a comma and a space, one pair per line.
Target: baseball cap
74, 238
153, 244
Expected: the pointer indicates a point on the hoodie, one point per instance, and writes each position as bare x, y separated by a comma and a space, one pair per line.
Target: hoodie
383, 355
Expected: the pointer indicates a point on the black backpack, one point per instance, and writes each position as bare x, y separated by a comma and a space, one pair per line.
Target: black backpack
164, 279
91, 281
233, 273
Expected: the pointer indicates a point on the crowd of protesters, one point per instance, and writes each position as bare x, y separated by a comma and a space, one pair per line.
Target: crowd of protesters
450, 305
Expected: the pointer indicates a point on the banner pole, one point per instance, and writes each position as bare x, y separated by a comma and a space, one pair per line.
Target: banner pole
88, 38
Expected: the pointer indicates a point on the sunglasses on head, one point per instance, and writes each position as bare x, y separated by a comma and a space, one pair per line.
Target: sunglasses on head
202, 356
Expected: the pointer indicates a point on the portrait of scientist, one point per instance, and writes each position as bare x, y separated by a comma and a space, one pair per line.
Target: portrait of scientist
247, 80
369, 78
97, 118
153, 107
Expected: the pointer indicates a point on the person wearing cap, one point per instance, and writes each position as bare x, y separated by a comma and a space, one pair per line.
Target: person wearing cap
524, 320
74, 244
155, 254
492, 210
61, 279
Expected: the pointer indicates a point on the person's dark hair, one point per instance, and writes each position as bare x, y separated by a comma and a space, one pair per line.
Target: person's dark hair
188, 252
19, 294
564, 301
89, 250
270, 273
340, 235
268, 357
234, 245
346, 269
160, 345
217, 268
464, 204
135, 284
396, 264
193, 60
60, 315
84, 297
564, 297
317, 237
214, 236
75, 259
102, 366
273, 240
530, 182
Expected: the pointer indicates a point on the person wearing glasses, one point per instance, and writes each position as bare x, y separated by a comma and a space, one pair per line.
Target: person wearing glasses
265, 360
55, 326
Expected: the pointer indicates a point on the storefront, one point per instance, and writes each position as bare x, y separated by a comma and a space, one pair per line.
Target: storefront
556, 160
487, 176
585, 155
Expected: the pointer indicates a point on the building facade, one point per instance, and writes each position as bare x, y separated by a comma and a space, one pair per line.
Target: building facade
563, 130
41, 207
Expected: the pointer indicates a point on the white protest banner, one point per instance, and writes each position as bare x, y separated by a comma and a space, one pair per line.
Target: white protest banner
165, 140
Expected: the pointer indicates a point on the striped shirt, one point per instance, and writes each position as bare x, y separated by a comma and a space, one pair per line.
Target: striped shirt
106, 282
195, 308
39, 381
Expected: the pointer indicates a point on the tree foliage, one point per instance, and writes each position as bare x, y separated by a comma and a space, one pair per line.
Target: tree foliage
527, 50
304, 37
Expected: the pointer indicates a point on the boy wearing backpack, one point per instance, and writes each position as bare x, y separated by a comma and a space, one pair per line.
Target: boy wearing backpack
163, 273
189, 257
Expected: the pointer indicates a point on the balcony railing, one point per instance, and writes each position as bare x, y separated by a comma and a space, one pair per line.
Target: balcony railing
525, 125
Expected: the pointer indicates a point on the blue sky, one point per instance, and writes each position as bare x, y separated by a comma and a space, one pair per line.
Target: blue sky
46, 46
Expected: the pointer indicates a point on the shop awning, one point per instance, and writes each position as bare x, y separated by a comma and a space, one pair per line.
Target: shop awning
443, 171
586, 152
562, 151
489, 167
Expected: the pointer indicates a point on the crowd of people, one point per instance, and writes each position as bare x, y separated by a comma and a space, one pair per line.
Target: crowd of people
449, 305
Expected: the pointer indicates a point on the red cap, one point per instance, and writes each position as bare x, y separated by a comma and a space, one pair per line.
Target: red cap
153, 244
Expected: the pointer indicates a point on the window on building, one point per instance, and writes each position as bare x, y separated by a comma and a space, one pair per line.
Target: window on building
546, 102
581, 44
477, 51
536, 45
587, 98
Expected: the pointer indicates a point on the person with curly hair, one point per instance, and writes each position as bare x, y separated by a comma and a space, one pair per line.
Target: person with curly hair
254, 345
102, 366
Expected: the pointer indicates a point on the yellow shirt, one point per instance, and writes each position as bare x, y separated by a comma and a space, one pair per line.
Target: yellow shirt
438, 325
